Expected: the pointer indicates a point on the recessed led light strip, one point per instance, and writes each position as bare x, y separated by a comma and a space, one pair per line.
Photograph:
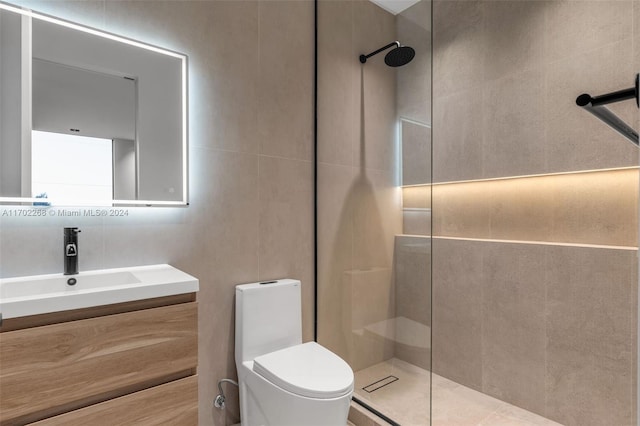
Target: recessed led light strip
541, 243
522, 177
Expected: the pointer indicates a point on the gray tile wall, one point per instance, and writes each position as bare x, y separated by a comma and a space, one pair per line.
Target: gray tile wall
547, 328
506, 75
550, 328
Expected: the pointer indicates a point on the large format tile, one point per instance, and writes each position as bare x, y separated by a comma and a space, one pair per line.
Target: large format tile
285, 100
457, 136
229, 96
589, 335
513, 326
514, 124
458, 46
227, 228
338, 78
286, 227
180, 26
515, 33
457, 311
636, 19
575, 27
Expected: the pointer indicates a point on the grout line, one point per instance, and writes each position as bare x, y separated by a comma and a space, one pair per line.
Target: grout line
232, 151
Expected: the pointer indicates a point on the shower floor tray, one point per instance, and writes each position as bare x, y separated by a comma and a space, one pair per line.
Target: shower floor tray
406, 400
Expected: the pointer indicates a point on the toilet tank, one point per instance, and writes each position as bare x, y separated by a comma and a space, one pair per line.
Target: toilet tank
268, 317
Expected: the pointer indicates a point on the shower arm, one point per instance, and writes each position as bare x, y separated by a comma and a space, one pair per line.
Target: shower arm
596, 106
363, 58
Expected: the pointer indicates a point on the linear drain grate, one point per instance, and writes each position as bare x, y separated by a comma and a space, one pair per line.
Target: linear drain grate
380, 384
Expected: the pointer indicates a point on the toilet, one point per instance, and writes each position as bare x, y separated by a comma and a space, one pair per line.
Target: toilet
284, 382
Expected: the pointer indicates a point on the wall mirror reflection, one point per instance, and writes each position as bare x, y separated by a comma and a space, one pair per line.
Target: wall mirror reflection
88, 117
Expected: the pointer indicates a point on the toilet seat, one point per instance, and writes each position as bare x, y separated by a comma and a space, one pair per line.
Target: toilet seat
308, 370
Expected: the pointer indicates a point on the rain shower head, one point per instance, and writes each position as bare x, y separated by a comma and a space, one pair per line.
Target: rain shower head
399, 56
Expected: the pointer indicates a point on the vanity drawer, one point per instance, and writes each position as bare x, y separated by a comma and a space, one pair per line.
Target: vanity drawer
49, 370
174, 403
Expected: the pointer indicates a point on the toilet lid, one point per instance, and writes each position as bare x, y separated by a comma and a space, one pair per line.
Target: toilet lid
309, 370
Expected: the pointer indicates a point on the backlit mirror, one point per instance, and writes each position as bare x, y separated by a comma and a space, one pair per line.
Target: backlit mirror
88, 117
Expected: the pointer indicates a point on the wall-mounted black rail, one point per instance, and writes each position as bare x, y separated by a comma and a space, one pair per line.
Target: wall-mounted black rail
596, 106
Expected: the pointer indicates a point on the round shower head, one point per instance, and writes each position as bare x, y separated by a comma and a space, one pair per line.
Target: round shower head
399, 56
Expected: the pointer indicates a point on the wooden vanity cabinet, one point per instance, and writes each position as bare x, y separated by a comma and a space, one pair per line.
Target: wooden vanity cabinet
126, 364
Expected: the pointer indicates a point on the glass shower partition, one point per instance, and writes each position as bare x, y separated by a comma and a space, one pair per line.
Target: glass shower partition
374, 201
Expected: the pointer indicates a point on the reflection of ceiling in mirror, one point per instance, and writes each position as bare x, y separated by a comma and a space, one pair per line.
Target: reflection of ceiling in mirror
87, 103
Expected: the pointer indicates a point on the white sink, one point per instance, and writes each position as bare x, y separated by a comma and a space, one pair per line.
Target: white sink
42, 294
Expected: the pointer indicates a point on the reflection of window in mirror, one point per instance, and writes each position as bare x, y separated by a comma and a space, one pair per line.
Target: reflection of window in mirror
69, 167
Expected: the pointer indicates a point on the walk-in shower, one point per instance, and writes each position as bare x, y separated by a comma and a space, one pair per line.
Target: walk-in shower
477, 232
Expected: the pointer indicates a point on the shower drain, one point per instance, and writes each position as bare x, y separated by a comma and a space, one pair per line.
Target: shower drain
380, 384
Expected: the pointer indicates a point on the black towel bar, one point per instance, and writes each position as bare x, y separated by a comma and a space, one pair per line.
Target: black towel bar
596, 106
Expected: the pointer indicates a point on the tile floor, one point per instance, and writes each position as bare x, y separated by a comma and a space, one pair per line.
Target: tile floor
453, 404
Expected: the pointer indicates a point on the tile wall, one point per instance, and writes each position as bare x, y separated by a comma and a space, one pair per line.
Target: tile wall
543, 315
250, 216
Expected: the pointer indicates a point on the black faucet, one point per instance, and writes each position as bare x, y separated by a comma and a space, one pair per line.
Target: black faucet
71, 251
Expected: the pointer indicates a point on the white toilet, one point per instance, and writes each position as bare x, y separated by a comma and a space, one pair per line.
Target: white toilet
284, 382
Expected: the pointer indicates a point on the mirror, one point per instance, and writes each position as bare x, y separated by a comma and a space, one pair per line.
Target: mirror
88, 117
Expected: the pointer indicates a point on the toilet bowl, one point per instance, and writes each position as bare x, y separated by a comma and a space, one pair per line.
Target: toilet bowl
284, 382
